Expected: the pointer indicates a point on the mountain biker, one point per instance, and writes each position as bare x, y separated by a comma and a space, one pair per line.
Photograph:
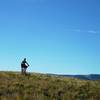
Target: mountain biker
24, 66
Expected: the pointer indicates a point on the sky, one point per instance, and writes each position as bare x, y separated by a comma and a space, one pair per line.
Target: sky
56, 36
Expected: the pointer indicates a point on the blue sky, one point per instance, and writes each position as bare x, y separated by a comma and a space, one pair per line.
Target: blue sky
56, 36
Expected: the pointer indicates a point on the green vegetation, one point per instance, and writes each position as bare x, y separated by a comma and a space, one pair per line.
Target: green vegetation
14, 86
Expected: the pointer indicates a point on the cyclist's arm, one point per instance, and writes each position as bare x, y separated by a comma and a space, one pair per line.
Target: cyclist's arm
27, 63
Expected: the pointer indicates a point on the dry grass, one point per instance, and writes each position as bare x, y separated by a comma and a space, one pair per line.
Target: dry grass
14, 86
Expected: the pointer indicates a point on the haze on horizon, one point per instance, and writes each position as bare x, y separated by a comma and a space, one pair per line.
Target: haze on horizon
56, 36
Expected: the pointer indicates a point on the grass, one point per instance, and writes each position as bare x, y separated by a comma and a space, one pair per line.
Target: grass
34, 86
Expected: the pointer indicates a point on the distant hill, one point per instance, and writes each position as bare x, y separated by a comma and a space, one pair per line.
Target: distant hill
83, 77
35, 86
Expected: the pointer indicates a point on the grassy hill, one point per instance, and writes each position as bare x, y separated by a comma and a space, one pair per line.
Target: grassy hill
34, 86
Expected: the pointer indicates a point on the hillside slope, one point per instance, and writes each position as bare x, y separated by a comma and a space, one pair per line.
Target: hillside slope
34, 86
